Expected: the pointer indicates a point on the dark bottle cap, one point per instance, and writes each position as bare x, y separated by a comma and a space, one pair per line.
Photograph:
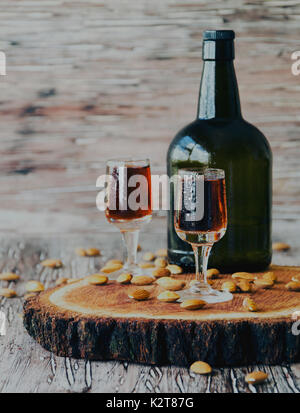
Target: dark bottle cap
218, 45
218, 35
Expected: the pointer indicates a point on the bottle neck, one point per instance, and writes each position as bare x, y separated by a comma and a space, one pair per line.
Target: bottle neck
219, 94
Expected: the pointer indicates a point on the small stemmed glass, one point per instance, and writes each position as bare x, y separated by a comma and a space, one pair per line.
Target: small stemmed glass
201, 220
128, 204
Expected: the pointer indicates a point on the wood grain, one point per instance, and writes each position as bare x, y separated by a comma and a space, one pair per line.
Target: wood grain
87, 81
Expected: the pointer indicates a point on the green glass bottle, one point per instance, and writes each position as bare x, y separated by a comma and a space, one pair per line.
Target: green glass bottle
221, 138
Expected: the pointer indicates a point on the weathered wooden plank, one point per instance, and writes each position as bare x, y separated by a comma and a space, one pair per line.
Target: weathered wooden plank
86, 78
26, 367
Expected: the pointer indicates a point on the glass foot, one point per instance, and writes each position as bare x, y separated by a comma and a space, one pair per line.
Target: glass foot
204, 292
134, 270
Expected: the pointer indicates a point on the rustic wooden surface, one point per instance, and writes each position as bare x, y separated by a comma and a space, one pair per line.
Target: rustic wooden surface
86, 78
26, 367
89, 80
102, 322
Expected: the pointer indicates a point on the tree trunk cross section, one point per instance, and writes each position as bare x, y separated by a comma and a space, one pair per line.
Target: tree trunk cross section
102, 323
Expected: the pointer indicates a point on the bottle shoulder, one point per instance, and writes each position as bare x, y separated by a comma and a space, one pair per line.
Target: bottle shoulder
212, 135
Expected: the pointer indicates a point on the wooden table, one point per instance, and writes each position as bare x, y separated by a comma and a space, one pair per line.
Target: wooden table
26, 367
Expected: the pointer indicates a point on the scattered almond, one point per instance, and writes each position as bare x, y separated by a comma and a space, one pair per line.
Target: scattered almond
142, 280
192, 304
280, 246
51, 263
161, 272
256, 377
160, 262
293, 286
296, 278
80, 252
162, 252
9, 276
244, 276
261, 283
168, 296
145, 265
124, 278
249, 304
73, 280
229, 286
113, 262
60, 281
174, 269
97, 279
34, 286
244, 286
270, 276
200, 367
92, 252
212, 273
169, 283
148, 256
107, 269
29, 295
140, 294
7, 292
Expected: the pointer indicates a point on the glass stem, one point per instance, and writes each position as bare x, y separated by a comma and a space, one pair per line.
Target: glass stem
201, 259
131, 242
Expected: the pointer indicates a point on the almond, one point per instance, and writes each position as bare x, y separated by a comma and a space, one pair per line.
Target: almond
293, 286
113, 262
73, 280
7, 292
9, 276
107, 269
146, 265
244, 276
34, 286
139, 294
174, 269
270, 276
212, 273
280, 246
161, 272
162, 252
148, 256
80, 252
29, 295
60, 281
139, 247
92, 252
256, 377
51, 263
249, 304
244, 286
160, 262
229, 286
200, 367
168, 296
261, 283
168, 283
194, 304
96, 279
124, 278
142, 280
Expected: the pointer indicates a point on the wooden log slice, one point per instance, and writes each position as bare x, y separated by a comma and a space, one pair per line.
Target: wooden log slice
103, 323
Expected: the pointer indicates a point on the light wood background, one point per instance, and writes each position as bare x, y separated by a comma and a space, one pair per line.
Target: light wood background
90, 80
